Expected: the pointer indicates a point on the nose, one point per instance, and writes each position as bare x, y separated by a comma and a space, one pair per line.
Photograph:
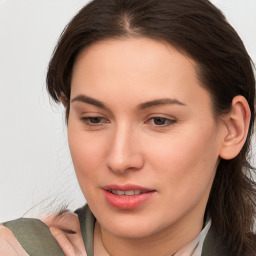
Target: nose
124, 153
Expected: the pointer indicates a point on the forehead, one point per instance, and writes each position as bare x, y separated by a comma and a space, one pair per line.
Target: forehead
138, 67
129, 54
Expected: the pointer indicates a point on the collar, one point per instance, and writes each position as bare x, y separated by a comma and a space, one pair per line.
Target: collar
194, 248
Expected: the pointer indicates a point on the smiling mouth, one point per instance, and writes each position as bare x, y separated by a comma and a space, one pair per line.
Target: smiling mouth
127, 196
127, 192
127, 199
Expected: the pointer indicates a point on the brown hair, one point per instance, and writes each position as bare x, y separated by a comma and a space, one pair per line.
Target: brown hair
199, 30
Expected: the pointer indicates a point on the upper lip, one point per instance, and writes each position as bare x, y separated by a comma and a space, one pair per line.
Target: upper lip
126, 187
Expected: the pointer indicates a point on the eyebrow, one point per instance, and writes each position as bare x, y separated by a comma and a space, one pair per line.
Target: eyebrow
89, 100
142, 106
159, 102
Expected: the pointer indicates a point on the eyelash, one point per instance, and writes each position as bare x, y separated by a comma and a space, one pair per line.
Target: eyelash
167, 121
89, 121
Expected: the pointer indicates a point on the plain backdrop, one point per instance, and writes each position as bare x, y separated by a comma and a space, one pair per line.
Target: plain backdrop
36, 172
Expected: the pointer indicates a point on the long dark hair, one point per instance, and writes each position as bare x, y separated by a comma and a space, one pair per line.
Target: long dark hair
199, 30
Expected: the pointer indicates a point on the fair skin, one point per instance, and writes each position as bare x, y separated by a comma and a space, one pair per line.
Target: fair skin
172, 147
139, 116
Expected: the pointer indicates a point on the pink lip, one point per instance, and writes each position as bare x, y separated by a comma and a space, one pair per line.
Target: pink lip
126, 187
127, 202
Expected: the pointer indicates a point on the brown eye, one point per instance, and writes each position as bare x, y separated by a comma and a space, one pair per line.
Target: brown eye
161, 121
94, 120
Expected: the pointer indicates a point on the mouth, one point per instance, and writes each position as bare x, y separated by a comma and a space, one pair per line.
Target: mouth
127, 193
127, 196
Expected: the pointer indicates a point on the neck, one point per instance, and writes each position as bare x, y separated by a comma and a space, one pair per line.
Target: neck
164, 243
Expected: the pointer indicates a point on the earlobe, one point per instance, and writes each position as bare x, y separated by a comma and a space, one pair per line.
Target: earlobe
64, 100
237, 125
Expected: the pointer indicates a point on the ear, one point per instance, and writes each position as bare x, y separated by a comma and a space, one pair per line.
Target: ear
237, 125
63, 100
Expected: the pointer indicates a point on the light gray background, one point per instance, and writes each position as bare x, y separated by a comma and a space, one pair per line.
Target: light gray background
35, 166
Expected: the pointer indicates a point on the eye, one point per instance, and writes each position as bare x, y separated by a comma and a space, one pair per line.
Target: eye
94, 120
161, 121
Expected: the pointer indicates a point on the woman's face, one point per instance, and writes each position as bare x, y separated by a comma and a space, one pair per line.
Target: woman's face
143, 138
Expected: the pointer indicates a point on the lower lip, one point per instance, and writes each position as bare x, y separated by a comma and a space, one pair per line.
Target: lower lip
127, 202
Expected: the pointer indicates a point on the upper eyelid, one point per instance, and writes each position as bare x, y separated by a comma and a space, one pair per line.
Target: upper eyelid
167, 119
92, 113
162, 115
82, 108
87, 122
89, 117
100, 115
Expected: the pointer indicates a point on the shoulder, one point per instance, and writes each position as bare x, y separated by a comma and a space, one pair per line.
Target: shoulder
213, 246
34, 236
9, 245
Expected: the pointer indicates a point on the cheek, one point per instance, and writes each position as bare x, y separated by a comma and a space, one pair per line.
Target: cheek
186, 172
188, 160
87, 158
87, 155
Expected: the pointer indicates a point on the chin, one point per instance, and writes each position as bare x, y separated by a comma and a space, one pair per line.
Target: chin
131, 227
128, 232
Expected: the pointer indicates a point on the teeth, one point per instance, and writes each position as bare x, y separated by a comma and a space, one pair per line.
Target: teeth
129, 193
126, 193
137, 192
119, 192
